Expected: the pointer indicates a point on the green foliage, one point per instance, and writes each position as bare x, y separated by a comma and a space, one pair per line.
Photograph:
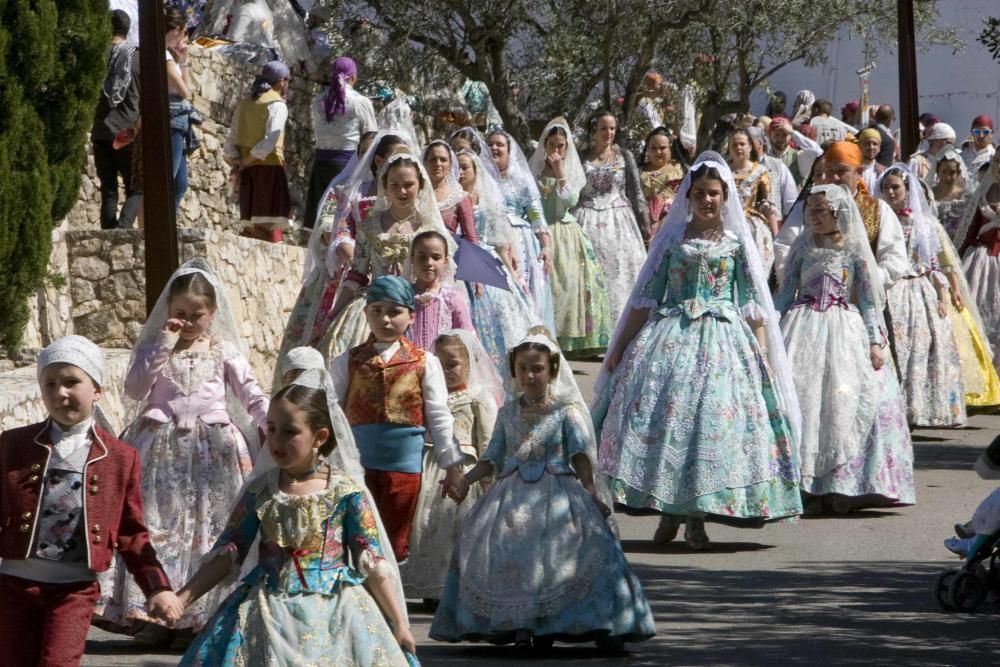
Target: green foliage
990, 36
51, 67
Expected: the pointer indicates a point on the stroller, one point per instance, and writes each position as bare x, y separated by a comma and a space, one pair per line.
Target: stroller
964, 589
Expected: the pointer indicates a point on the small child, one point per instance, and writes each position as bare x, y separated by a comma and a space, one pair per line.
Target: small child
195, 387
393, 393
322, 589
474, 393
298, 360
440, 305
985, 522
536, 560
69, 499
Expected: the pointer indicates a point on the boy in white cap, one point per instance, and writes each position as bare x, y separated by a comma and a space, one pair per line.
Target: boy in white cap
69, 498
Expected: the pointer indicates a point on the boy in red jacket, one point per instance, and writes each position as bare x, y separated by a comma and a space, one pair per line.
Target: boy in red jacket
69, 497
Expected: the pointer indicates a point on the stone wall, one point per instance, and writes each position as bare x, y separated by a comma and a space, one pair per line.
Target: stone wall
107, 284
50, 307
218, 83
21, 399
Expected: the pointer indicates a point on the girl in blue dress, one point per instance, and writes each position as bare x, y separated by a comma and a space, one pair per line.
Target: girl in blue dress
536, 562
696, 402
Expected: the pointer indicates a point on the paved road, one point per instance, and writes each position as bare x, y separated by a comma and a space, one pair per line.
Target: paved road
848, 590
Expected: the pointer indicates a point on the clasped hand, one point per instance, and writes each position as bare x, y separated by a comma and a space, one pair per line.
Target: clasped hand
454, 485
165, 606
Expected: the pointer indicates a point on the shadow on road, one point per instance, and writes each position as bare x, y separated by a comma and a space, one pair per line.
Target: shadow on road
944, 456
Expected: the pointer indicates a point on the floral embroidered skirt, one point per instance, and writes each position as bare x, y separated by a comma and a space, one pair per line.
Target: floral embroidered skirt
582, 313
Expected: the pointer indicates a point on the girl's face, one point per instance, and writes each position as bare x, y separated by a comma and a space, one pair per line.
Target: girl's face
195, 311
739, 147
429, 259
466, 173
533, 372
174, 37
293, 444
706, 197
499, 150
820, 216
69, 393
387, 320
403, 185
604, 132
438, 163
555, 144
894, 190
455, 362
947, 172
658, 151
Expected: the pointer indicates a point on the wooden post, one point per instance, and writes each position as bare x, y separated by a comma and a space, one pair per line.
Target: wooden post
159, 218
909, 134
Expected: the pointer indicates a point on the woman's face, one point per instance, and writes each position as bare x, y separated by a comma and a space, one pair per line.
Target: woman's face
466, 172
499, 150
403, 185
820, 216
705, 198
555, 144
658, 151
460, 144
739, 148
604, 133
894, 190
438, 163
947, 172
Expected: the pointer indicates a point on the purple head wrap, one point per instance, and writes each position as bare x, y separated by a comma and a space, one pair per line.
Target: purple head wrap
270, 74
341, 69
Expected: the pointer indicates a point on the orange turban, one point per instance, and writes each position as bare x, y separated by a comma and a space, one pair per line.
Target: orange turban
844, 152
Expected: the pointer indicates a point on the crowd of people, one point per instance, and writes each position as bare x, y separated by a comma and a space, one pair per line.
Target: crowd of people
772, 320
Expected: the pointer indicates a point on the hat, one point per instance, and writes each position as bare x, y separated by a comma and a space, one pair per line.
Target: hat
851, 106
982, 120
392, 289
779, 122
843, 152
941, 131
275, 71
869, 133
301, 359
76, 351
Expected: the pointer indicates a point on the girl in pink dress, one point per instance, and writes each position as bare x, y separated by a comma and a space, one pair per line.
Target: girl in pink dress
441, 304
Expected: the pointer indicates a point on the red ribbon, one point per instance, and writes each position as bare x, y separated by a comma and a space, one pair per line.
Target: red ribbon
296, 555
904, 212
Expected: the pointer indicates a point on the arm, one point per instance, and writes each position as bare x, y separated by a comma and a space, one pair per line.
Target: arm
177, 78
240, 378
790, 287
786, 238
148, 365
437, 415
277, 115
747, 298
493, 458
576, 448
340, 374
367, 122
789, 193
230, 549
461, 317
466, 220
866, 303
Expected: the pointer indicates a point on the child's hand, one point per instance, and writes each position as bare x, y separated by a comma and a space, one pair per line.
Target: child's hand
173, 325
405, 639
454, 484
165, 606
601, 507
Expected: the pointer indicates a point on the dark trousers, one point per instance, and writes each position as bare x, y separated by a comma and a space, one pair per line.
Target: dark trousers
110, 164
326, 166
44, 624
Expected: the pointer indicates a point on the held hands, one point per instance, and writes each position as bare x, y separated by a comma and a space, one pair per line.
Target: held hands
165, 606
454, 485
875, 354
405, 639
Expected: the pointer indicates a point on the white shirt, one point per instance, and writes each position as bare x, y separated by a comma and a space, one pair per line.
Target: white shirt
277, 116
438, 419
829, 128
343, 132
253, 23
869, 173
974, 160
783, 189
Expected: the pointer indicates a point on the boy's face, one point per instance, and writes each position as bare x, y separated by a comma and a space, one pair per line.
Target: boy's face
388, 320
69, 394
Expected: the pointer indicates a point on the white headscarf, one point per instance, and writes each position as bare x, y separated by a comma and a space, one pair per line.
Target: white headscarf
456, 193
671, 235
950, 154
518, 169
483, 375
398, 118
303, 358
576, 178
497, 231
77, 351
925, 240
479, 147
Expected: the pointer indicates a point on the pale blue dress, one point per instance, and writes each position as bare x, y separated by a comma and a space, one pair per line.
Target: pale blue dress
691, 420
527, 216
535, 553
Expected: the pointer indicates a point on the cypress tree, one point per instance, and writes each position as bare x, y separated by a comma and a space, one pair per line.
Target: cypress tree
52, 62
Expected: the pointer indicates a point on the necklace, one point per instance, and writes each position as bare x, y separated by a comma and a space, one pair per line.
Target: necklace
303, 477
406, 218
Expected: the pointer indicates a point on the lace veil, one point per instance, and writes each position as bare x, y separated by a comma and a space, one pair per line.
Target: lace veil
925, 239
576, 178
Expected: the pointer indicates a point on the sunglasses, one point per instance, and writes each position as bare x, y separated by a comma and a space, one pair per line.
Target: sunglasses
981, 131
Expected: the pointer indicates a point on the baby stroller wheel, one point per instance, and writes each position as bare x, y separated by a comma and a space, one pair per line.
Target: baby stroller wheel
966, 591
939, 590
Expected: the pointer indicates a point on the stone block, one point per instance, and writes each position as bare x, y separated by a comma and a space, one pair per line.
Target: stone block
89, 268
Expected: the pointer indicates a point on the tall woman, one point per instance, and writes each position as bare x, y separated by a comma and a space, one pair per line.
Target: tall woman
754, 187
607, 210
524, 208
452, 200
697, 401
340, 117
579, 289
